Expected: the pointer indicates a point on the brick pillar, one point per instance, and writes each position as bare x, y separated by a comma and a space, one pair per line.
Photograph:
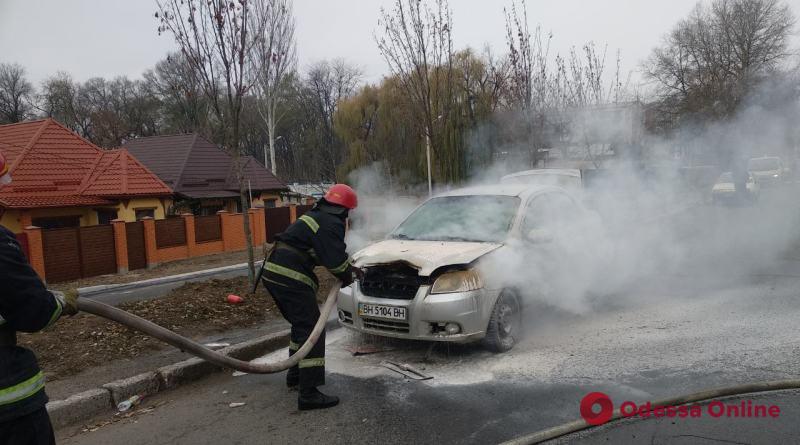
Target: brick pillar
257, 225
36, 250
292, 213
120, 244
150, 246
226, 225
191, 243
25, 218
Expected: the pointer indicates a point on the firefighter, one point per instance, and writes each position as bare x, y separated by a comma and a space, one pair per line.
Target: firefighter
25, 306
316, 238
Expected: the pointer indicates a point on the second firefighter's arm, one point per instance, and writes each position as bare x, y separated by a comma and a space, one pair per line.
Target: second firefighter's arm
332, 252
25, 305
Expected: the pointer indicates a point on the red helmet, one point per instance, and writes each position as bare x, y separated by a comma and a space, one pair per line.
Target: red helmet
5, 177
342, 195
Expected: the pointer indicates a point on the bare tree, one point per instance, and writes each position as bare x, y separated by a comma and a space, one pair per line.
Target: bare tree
716, 56
531, 81
15, 94
417, 43
329, 84
275, 56
185, 108
215, 37
59, 98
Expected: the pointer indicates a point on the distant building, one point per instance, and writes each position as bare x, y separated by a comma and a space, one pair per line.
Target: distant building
63, 180
203, 176
315, 190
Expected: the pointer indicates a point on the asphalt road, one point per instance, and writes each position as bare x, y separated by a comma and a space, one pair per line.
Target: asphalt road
666, 336
685, 344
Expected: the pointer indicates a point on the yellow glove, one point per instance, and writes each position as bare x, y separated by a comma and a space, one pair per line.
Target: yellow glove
68, 300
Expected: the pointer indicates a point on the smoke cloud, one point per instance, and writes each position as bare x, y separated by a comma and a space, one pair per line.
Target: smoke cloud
651, 225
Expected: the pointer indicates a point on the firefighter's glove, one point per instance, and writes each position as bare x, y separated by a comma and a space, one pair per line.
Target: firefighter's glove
68, 300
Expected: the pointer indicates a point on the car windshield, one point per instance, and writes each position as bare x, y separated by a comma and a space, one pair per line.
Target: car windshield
763, 164
460, 218
725, 177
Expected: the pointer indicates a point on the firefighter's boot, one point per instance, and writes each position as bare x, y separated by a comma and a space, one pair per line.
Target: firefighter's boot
312, 398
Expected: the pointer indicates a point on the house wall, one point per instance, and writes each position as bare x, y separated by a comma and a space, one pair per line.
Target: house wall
17, 220
259, 201
127, 210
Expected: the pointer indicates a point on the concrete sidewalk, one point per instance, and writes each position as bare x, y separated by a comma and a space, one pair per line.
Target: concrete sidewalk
149, 377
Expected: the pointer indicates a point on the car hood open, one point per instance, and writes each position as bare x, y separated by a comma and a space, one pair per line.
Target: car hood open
426, 256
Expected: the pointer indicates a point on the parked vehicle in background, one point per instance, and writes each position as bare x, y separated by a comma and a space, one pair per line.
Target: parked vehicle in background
567, 178
724, 190
429, 279
767, 170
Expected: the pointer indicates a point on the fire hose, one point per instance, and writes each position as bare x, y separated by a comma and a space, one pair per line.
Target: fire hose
697, 397
187, 345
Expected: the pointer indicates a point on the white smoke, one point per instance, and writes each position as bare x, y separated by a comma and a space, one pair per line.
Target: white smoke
651, 224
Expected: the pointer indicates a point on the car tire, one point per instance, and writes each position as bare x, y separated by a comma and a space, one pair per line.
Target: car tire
505, 324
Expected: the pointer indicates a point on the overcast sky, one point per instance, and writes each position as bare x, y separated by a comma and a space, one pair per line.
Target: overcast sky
118, 37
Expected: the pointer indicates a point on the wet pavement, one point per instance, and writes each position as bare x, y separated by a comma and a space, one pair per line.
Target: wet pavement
662, 346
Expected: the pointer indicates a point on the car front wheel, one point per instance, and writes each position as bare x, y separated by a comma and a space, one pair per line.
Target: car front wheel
504, 327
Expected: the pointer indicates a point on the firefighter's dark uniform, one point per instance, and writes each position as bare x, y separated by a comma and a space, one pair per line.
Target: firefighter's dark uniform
25, 306
316, 238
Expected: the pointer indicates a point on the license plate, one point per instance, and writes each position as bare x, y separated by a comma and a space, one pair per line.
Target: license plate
374, 310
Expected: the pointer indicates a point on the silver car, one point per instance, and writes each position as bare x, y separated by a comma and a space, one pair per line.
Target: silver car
427, 280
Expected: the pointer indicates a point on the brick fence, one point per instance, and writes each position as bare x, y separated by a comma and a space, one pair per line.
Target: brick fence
177, 238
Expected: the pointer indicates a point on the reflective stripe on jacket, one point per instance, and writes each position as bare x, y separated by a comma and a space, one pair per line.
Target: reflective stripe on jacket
316, 238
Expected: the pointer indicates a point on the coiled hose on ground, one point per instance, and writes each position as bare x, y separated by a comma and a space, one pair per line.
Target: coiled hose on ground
580, 425
147, 327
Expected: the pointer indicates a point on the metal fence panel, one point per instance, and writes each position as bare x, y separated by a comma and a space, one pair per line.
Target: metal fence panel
170, 232
207, 228
277, 220
62, 254
98, 251
134, 234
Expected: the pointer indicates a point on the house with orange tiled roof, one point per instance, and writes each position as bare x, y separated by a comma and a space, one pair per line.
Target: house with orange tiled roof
62, 180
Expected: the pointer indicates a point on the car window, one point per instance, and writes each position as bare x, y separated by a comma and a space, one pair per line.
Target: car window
550, 211
563, 209
536, 214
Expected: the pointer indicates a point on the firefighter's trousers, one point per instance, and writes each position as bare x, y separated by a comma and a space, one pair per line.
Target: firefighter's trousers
30, 429
298, 305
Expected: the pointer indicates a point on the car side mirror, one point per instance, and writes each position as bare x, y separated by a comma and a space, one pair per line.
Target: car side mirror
539, 236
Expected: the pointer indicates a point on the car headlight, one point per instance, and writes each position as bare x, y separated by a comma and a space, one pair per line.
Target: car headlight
776, 176
457, 281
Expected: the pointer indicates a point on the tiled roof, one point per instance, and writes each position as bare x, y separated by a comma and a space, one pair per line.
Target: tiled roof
119, 174
195, 167
51, 166
258, 176
33, 202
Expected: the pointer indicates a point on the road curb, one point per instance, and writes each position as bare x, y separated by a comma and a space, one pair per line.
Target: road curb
101, 289
85, 405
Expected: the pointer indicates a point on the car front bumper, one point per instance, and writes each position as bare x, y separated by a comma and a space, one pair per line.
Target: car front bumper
467, 309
